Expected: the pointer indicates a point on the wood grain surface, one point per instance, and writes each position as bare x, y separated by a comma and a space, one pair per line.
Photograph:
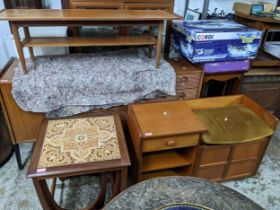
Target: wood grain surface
85, 15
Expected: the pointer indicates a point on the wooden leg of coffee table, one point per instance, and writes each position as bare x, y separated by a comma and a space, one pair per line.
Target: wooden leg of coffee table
167, 39
159, 44
99, 203
19, 46
150, 46
45, 197
123, 179
30, 49
116, 183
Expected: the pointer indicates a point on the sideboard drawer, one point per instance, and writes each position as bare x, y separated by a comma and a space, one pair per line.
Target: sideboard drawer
166, 143
188, 81
187, 93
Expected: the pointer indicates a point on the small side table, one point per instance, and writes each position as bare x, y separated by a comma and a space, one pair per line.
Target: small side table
231, 84
79, 146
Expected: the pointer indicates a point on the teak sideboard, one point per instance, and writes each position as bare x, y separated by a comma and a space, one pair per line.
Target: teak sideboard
165, 141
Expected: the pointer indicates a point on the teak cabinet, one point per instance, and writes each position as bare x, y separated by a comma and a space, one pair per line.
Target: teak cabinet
225, 162
189, 78
263, 85
164, 139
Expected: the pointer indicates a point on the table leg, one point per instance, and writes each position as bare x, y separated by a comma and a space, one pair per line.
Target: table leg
99, 203
167, 39
30, 49
19, 46
76, 33
18, 157
159, 44
116, 183
45, 197
123, 179
150, 46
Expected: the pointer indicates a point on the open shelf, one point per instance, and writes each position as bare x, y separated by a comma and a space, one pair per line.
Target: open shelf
164, 160
181, 171
264, 59
86, 41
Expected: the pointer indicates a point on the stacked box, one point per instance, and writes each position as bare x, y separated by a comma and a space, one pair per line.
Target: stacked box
215, 40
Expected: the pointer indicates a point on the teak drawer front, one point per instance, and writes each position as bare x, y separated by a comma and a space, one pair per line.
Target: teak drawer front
214, 173
211, 155
96, 5
188, 81
248, 150
187, 93
142, 6
243, 168
166, 143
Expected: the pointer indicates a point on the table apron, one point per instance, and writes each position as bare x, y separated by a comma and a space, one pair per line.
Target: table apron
84, 23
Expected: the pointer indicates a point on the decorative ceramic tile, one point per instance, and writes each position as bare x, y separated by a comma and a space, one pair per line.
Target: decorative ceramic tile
80, 140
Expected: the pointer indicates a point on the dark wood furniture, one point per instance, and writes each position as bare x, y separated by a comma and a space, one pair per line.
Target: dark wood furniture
79, 146
263, 85
233, 161
164, 139
17, 4
167, 5
189, 79
28, 18
6, 147
223, 84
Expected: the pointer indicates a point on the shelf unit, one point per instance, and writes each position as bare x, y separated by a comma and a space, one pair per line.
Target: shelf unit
164, 139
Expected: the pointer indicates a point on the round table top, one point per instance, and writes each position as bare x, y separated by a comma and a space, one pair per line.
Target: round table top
165, 191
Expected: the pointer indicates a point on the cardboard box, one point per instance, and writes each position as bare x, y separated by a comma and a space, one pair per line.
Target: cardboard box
248, 8
215, 40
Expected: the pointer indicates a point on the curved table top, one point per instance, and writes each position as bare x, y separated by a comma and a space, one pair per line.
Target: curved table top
160, 192
258, 18
260, 23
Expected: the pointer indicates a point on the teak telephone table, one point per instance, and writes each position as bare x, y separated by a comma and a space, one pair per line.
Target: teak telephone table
70, 17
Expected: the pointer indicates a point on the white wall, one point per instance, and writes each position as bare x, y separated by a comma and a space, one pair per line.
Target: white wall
7, 47
6, 51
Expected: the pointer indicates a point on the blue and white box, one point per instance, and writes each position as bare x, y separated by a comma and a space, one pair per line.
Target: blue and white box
215, 40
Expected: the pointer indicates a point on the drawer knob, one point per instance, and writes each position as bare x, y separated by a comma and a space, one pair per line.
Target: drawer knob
184, 79
171, 143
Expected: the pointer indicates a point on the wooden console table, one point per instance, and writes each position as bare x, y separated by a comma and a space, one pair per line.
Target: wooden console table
29, 18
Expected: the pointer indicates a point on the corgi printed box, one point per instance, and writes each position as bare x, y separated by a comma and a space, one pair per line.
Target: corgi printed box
215, 40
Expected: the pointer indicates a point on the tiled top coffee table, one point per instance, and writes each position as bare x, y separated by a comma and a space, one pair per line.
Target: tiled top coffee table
79, 146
